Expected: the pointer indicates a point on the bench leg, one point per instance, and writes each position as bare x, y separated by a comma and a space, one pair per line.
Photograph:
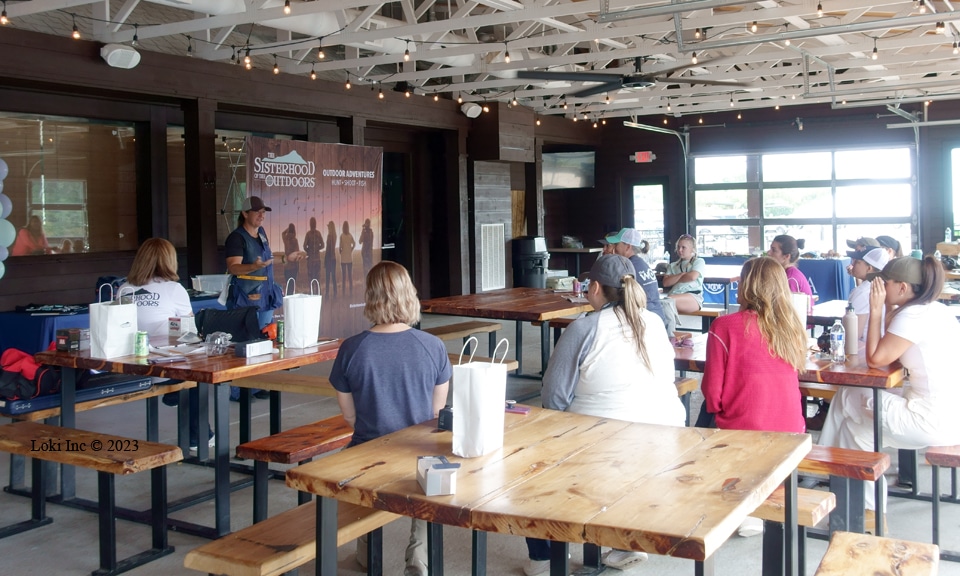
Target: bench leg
260, 476
772, 564
158, 508
479, 541
705, 568
491, 343
907, 470
685, 400
153, 419
245, 401
108, 526
375, 552
591, 556
467, 347
275, 412
935, 500
304, 497
559, 558
326, 531
518, 346
183, 419
434, 549
38, 501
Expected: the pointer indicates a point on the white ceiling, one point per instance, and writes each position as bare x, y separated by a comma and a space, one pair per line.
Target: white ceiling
457, 47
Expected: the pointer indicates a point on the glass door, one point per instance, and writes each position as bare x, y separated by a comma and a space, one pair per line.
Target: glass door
648, 218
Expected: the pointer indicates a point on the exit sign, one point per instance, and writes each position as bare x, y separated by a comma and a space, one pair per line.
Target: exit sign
643, 157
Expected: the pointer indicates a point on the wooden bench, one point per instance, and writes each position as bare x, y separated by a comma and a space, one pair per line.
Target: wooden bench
108, 455
289, 381
848, 470
283, 542
818, 390
686, 386
850, 553
467, 329
707, 315
812, 507
942, 457
296, 445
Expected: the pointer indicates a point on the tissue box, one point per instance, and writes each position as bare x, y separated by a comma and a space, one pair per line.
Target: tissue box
68, 339
557, 283
183, 325
436, 475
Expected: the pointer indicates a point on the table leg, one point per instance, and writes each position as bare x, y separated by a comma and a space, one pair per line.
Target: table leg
479, 539
544, 346
68, 419
559, 559
245, 400
435, 549
201, 418
790, 531
704, 568
153, 419
878, 486
221, 416
519, 346
275, 412
326, 530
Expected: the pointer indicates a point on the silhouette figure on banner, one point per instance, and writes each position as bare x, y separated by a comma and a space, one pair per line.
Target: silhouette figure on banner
366, 247
312, 245
347, 244
330, 258
290, 246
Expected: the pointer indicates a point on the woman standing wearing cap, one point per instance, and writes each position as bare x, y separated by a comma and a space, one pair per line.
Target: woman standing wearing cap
250, 260
921, 334
616, 362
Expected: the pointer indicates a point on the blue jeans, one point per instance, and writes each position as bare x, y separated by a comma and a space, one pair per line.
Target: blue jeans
538, 549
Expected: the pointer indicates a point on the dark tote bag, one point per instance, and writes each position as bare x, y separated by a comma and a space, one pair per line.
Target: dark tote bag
241, 323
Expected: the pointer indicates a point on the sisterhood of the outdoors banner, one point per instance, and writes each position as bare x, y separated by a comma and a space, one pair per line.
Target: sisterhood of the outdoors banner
325, 200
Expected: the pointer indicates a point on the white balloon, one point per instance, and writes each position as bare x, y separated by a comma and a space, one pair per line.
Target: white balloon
6, 204
8, 233
2, 269
4, 253
4, 169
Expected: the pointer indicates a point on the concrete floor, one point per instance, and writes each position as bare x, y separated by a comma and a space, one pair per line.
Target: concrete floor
69, 545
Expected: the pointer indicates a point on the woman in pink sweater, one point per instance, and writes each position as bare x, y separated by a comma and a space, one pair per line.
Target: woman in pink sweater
753, 356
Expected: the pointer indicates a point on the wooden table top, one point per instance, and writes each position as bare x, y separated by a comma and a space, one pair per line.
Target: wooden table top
197, 367
853, 372
521, 304
575, 478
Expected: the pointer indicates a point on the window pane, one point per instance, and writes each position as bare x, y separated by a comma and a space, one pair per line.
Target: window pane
648, 217
796, 167
720, 169
716, 204
873, 164
817, 238
724, 240
874, 200
797, 203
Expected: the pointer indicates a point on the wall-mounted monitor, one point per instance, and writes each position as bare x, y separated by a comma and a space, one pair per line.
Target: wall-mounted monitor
563, 170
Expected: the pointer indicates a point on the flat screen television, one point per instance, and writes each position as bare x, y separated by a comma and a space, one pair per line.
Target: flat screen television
562, 170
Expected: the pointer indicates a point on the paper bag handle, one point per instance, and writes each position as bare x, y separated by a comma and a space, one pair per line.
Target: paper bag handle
311, 287
286, 291
474, 350
505, 350
100, 292
120, 294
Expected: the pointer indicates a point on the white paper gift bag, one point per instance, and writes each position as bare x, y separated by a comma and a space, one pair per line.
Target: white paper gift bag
301, 317
801, 303
479, 390
113, 327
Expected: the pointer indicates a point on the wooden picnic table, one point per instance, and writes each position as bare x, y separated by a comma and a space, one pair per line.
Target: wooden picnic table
214, 373
571, 478
853, 372
517, 304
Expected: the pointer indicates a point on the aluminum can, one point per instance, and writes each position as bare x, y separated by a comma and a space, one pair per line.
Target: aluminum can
141, 346
280, 332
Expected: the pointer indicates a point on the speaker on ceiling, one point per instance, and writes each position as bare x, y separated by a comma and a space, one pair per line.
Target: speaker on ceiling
120, 56
471, 109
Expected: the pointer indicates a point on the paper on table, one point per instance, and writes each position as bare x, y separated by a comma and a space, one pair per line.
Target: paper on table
576, 299
178, 350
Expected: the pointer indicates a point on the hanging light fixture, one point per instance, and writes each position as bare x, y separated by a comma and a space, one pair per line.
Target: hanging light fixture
3, 15
286, 7
313, 73
664, 121
941, 27
436, 97
799, 123
320, 53
514, 102
819, 10
506, 54
607, 98
753, 26
564, 98
459, 99
189, 46
538, 121
693, 58
701, 120
669, 107
406, 52
276, 67
406, 92
697, 34
956, 47
247, 63
485, 107
136, 37
348, 85
873, 55
739, 116
921, 6
76, 31
786, 28
380, 95
731, 101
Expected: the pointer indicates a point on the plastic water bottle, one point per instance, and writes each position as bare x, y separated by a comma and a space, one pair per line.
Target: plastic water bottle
836, 342
948, 235
850, 326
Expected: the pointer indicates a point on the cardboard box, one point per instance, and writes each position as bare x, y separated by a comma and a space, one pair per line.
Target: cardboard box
436, 475
68, 339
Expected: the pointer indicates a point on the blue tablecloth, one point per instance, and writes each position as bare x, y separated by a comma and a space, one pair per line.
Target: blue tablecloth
34, 333
828, 278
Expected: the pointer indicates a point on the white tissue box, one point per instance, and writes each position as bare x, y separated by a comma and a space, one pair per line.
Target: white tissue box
558, 283
183, 325
436, 475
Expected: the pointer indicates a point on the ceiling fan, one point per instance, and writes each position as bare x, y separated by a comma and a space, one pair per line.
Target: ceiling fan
614, 82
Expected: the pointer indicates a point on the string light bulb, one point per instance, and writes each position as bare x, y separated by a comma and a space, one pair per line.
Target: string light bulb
320, 53
286, 7
819, 10
786, 28
406, 93
603, 121
276, 66
753, 26
697, 34
514, 102
956, 47
564, 98
873, 55
313, 73
189, 46
594, 123
607, 98
76, 31
693, 58
348, 85
701, 120
136, 37
739, 116
669, 107
485, 107
436, 97
3, 15
247, 63
538, 121
506, 53
406, 53
941, 27
380, 94
921, 6
731, 101
459, 99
